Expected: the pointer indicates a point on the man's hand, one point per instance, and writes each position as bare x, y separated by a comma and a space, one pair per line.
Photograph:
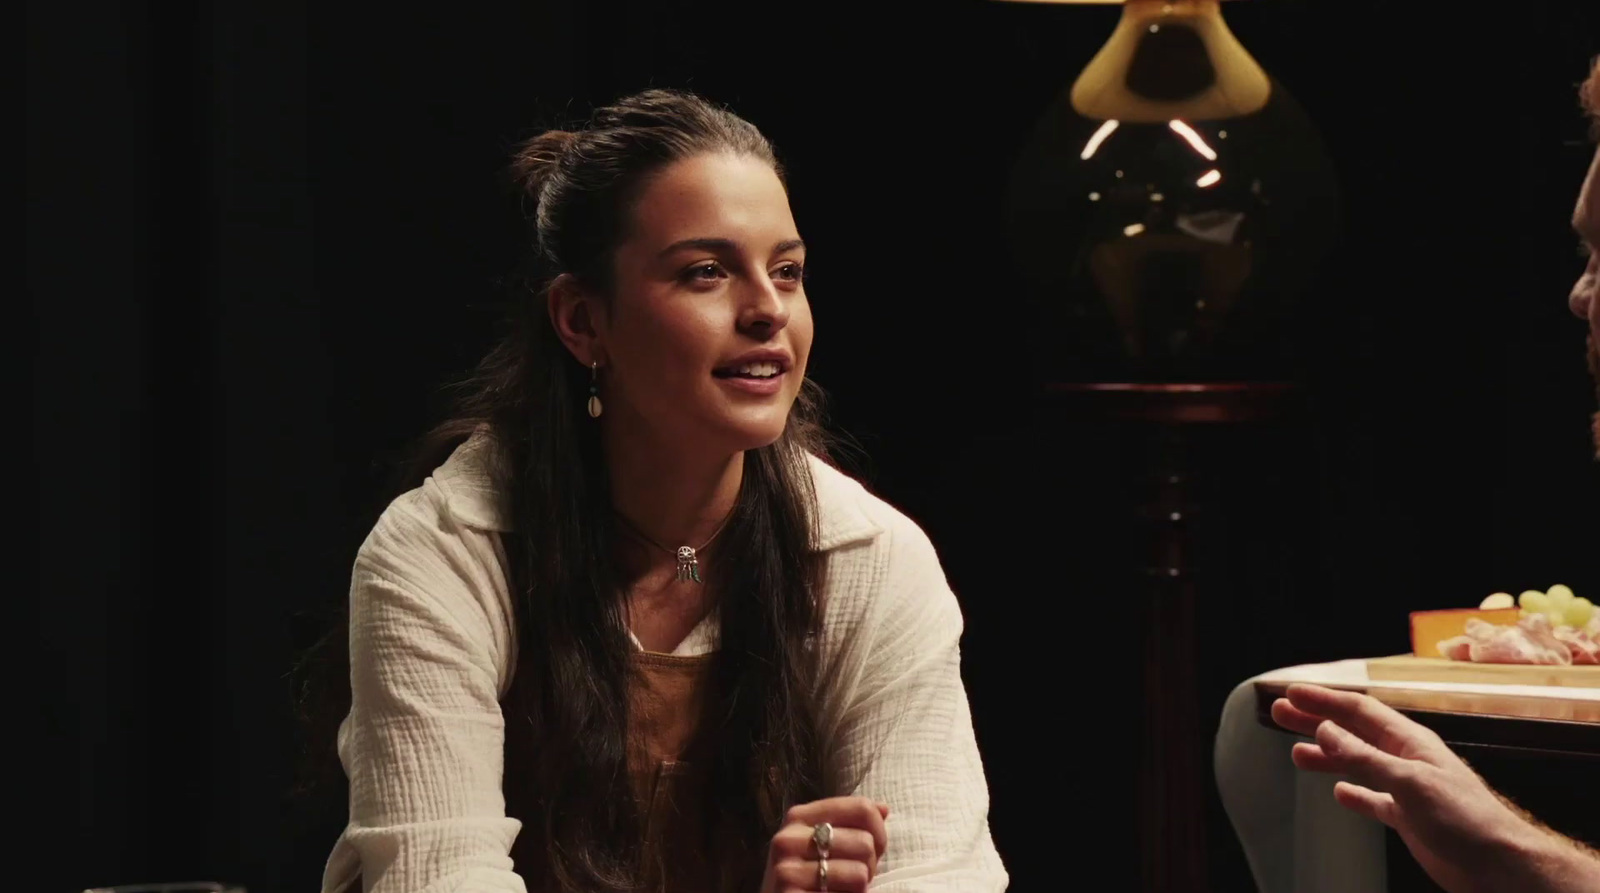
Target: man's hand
1464, 834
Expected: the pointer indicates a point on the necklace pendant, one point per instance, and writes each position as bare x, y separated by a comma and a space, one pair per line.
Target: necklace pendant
688, 565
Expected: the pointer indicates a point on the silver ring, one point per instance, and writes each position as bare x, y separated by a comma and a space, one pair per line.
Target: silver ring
822, 836
822, 875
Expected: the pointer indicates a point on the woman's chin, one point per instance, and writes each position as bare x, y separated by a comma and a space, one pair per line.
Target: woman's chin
752, 431
754, 438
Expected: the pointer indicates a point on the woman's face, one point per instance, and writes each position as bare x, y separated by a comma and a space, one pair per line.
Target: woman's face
704, 342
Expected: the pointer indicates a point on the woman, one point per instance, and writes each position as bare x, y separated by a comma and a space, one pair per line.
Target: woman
702, 657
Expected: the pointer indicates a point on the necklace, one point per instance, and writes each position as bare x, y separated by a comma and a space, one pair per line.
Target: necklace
688, 556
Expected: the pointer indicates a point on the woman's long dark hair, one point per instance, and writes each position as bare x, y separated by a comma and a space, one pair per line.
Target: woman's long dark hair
566, 711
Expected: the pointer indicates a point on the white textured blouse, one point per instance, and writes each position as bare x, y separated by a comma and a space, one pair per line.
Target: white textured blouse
432, 647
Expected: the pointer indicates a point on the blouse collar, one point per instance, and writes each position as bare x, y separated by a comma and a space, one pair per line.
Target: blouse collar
470, 494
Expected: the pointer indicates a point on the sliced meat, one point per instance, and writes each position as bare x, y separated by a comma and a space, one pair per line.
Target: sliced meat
1539, 631
1531, 641
1584, 649
1482, 630
1513, 647
1459, 648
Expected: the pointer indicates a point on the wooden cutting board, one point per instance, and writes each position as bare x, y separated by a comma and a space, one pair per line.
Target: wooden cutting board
1410, 668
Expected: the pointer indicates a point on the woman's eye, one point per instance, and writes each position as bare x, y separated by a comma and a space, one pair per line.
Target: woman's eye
705, 272
791, 272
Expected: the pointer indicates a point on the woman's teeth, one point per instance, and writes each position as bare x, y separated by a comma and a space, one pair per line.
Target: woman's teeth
757, 370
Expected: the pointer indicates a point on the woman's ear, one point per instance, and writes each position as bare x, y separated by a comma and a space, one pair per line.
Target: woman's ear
575, 314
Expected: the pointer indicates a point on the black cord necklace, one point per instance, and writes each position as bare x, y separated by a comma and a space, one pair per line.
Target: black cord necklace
688, 556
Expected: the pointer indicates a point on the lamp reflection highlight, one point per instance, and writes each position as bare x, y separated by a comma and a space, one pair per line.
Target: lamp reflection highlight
1193, 138
1094, 142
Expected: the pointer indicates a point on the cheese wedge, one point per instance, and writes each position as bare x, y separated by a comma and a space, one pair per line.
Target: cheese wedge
1429, 628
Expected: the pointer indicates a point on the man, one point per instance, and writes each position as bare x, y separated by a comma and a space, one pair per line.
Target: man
1464, 835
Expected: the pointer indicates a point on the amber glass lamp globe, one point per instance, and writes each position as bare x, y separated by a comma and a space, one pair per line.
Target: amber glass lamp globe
1169, 209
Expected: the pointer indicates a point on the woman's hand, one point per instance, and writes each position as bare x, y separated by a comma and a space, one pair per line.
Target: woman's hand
859, 839
1465, 835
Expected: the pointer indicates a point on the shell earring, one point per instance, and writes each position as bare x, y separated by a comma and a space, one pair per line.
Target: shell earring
594, 391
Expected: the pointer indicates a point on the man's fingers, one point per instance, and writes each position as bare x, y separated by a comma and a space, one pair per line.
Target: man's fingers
1293, 718
1372, 804
1310, 758
1313, 758
1352, 756
1367, 717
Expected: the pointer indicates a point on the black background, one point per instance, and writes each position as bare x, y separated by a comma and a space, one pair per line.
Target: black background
259, 238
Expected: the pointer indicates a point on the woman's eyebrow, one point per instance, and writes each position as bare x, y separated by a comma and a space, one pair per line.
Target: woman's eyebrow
719, 245
712, 245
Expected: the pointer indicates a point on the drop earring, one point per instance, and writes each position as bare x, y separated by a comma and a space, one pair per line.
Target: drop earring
594, 391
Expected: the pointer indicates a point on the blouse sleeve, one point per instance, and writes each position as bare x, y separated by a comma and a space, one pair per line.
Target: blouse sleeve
430, 636
905, 736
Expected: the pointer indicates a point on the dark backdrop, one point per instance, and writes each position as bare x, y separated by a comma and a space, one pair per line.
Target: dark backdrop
258, 239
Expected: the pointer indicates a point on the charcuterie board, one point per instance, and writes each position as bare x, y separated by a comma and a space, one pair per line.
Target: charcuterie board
1410, 668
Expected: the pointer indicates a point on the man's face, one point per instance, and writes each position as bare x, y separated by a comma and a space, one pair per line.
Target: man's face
1585, 296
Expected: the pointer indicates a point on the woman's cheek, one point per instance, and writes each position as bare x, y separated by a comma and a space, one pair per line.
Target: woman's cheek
800, 320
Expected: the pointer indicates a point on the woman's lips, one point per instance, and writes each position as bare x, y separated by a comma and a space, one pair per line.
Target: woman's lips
750, 385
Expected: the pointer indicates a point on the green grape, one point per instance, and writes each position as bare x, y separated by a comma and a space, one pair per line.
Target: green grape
1578, 612
1559, 595
1534, 601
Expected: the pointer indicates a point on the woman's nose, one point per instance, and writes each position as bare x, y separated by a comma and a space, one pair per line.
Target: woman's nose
764, 310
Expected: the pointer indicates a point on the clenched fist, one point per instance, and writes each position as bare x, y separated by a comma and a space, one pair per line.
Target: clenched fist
850, 862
